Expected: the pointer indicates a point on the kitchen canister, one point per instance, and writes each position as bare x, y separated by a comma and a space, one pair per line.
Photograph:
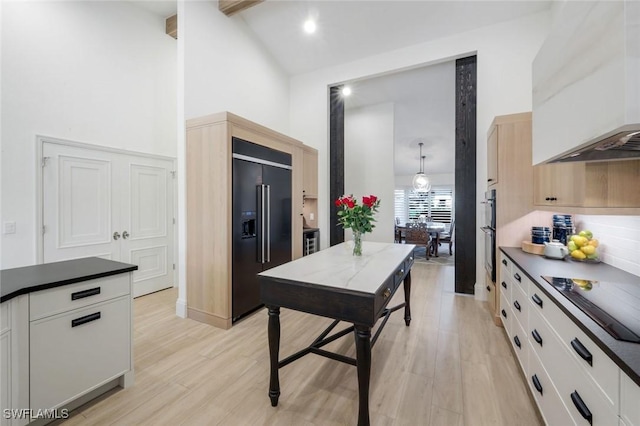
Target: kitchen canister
540, 234
562, 227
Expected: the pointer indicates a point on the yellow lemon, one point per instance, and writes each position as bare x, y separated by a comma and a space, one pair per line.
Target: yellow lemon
578, 254
588, 249
594, 242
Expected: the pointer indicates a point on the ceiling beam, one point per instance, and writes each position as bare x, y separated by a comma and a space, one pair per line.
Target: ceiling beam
230, 7
171, 26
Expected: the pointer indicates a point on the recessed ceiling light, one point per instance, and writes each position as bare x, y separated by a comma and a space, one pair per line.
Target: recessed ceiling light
346, 91
310, 26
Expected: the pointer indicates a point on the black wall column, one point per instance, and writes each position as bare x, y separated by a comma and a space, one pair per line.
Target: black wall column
336, 162
465, 175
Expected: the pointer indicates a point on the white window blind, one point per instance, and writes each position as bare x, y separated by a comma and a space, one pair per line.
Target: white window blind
400, 206
436, 204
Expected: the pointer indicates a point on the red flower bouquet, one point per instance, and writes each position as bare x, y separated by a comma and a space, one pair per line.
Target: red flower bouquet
357, 217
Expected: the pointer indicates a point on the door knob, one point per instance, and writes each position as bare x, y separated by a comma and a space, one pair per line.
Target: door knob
125, 235
116, 235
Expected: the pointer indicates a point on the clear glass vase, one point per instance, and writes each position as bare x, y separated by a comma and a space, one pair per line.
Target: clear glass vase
357, 243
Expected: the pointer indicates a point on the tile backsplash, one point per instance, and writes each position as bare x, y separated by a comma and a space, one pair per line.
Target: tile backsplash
619, 238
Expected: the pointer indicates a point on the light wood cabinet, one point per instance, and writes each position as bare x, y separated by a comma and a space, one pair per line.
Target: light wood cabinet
599, 187
310, 174
510, 168
209, 208
559, 184
310, 187
492, 156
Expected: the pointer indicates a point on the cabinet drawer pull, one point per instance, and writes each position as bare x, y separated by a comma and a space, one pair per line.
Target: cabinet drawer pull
537, 299
386, 293
85, 293
536, 383
517, 306
582, 407
517, 277
504, 314
400, 272
83, 320
504, 262
504, 284
536, 336
489, 180
488, 288
582, 351
516, 340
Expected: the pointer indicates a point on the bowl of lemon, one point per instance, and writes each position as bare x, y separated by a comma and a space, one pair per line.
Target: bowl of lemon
583, 247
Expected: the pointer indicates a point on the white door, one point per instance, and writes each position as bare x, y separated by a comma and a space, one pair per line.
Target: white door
112, 205
147, 223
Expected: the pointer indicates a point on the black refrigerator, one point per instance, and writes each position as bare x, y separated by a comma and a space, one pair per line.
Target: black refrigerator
261, 234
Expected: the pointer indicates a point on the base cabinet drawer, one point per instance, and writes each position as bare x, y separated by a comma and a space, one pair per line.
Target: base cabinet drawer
546, 395
603, 372
75, 352
519, 342
506, 316
629, 401
67, 297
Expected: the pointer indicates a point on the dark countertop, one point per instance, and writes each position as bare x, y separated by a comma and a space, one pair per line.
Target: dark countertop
625, 354
307, 230
27, 279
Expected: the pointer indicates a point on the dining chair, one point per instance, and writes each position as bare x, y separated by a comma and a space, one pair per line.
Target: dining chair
447, 237
417, 233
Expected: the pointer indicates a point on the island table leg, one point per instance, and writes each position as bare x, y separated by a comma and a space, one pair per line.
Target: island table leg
407, 299
363, 363
274, 349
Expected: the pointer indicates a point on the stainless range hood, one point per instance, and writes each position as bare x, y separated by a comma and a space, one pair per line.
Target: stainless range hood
620, 144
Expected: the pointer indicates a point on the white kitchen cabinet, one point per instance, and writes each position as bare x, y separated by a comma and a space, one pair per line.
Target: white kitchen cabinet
585, 76
629, 401
14, 354
5, 360
80, 339
546, 395
575, 381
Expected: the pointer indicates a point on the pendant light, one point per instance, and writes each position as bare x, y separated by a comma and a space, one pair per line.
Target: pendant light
420, 180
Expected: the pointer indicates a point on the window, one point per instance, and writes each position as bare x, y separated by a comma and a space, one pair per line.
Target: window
437, 204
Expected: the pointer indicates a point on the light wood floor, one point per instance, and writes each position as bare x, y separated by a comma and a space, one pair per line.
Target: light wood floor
452, 366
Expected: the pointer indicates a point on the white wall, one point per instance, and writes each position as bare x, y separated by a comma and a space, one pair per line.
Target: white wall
226, 69
368, 151
619, 238
96, 72
505, 53
223, 68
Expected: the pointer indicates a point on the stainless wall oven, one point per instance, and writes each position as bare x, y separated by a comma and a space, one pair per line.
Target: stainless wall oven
489, 230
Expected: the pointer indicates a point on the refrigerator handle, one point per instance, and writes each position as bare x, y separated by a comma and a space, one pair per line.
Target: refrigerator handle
261, 202
268, 223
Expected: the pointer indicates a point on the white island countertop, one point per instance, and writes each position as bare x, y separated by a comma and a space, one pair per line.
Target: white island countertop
337, 267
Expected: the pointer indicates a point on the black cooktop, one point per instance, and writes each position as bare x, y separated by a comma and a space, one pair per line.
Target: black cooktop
614, 306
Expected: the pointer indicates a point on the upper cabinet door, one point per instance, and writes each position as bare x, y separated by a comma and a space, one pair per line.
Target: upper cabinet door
310, 177
492, 157
585, 76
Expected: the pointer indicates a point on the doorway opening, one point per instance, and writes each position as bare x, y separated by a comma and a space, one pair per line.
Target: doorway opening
453, 171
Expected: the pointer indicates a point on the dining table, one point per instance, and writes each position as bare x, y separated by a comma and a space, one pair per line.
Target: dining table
434, 228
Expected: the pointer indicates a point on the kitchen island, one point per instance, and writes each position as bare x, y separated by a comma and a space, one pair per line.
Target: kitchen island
335, 284
66, 335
